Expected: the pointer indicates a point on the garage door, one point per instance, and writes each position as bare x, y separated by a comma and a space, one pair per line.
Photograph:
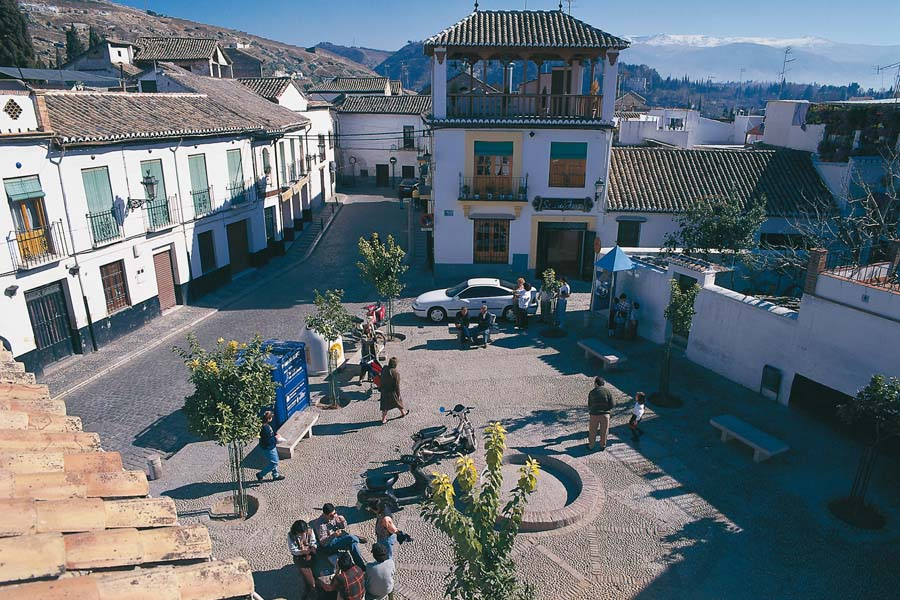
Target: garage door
165, 279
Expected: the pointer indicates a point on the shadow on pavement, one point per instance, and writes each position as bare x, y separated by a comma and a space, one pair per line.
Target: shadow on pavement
342, 428
195, 491
278, 583
168, 434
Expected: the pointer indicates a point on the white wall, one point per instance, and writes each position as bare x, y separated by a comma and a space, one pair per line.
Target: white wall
27, 120
783, 126
357, 140
649, 286
322, 121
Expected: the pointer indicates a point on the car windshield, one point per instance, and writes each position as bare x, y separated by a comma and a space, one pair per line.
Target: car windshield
408, 182
508, 284
456, 289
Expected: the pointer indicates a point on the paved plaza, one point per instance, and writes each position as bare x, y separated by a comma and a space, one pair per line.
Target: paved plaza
680, 514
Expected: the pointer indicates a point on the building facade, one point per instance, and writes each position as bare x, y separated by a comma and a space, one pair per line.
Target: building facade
110, 222
519, 177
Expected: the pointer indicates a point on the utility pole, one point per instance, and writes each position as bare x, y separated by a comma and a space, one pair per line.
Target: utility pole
895, 87
784, 69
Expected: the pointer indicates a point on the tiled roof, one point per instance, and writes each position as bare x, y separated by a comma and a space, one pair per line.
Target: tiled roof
269, 88
396, 87
174, 48
354, 85
673, 180
74, 524
397, 105
523, 29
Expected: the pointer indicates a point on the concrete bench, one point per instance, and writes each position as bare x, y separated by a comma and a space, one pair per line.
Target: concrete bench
298, 426
609, 357
764, 445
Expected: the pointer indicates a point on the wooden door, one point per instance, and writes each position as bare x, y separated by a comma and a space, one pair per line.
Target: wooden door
238, 247
165, 279
491, 243
382, 176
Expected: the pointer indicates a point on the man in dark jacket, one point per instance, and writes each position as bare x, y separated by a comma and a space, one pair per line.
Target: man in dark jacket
600, 403
462, 325
483, 325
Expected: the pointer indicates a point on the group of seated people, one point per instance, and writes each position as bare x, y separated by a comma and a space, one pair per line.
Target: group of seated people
623, 318
330, 562
468, 333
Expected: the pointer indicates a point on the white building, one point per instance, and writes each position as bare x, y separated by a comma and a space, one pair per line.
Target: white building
121, 205
111, 58
648, 187
519, 178
381, 138
684, 128
310, 159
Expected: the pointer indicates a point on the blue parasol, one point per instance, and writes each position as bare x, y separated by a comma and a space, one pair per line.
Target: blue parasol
614, 261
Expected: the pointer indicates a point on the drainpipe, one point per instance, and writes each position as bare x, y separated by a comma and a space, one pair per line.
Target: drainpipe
77, 267
181, 218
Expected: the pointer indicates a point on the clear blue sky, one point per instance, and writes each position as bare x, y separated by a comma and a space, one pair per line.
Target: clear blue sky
388, 24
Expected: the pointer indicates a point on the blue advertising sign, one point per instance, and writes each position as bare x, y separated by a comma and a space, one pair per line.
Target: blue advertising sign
288, 360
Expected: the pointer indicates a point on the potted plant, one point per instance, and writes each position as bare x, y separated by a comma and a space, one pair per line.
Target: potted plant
465, 191
522, 192
490, 193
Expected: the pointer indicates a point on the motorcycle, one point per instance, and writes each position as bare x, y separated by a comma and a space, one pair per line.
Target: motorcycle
434, 443
380, 488
376, 312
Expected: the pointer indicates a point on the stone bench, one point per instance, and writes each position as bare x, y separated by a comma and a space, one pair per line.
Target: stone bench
609, 357
298, 426
764, 445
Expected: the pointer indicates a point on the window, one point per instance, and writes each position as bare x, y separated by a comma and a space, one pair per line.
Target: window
493, 168
26, 199
114, 287
235, 176
200, 191
267, 162
270, 223
491, 241
484, 291
409, 132
284, 169
207, 251
568, 164
330, 140
98, 192
295, 175
158, 208
629, 234
12, 109
321, 146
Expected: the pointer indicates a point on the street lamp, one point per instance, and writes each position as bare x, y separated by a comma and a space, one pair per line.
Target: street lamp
393, 162
150, 183
600, 194
352, 161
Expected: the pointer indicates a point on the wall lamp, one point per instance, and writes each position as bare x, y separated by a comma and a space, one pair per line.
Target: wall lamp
11, 290
150, 184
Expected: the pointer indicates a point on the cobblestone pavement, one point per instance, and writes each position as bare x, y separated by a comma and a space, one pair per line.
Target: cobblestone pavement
682, 515
136, 406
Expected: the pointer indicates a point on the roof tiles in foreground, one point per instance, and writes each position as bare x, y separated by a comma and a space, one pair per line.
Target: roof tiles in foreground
524, 29
74, 524
670, 180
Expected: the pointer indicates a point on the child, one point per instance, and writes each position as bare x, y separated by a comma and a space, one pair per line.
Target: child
633, 323
637, 413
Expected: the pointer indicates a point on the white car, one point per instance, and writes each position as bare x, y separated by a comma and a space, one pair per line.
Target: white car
437, 305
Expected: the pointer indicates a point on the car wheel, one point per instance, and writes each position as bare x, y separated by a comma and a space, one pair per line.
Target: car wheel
437, 314
508, 314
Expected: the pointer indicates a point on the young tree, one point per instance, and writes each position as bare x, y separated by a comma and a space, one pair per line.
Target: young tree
680, 315
93, 37
74, 45
721, 225
551, 284
331, 320
232, 383
381, 266
877, 408
480, 532
16, 49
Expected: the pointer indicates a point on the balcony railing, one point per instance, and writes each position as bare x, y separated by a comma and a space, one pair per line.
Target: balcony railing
35, 247
106, 226
241, 192
489, 187
548, 106
161, 213
203, 202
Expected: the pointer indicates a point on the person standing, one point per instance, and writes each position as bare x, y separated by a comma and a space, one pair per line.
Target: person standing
380, 575
268, 440
600, 404
633, 322
562, 299
390, 391
637, 413
302, 545
525, 300
518, 294
385, 529
623, 312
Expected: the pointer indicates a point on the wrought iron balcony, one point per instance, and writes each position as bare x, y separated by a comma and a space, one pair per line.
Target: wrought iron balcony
541, 106
162, 213
203, 202
241, 192
31, 248
106, 226
490, 187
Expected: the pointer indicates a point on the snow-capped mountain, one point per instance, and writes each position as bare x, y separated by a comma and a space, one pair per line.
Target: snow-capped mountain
816, 60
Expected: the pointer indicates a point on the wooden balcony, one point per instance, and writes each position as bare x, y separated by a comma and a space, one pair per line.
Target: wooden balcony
510, 106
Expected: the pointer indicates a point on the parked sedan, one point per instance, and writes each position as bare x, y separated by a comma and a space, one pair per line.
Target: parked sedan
406, 188
437, 305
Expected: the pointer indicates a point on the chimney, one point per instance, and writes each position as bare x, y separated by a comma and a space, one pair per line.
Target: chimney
509, 79
814, 266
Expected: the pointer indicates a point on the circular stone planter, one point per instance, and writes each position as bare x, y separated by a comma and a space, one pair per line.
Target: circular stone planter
222, 510
574, 493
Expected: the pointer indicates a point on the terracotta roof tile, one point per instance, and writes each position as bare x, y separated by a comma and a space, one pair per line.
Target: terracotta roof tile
396, 105
354, 85
269, 88
174, 48
524, 29
672, 180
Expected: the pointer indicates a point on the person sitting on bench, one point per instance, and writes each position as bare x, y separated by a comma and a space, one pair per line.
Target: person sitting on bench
483, 325
462, 326
332, 537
